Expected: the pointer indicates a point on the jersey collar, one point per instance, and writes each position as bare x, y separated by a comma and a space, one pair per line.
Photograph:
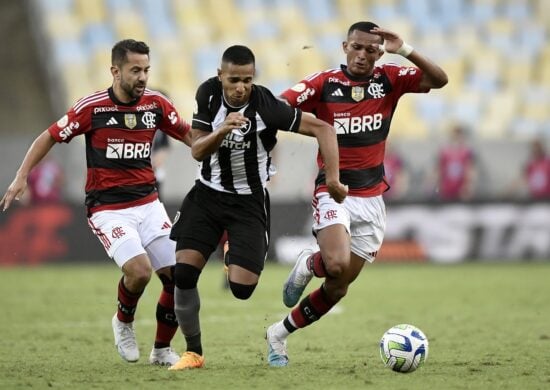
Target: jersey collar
118, 102
355, 78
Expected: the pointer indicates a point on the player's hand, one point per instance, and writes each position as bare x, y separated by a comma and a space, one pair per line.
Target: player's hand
15, 191
337, 191
392, 41
234, 121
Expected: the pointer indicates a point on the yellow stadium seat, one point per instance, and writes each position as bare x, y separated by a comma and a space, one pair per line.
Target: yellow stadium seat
62, 24
500, 112
76, 82
406, 123
518, 72
456, 70
90, 11
351, 10
131, 25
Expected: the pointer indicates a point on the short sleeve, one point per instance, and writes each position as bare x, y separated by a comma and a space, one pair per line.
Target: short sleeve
70, 125
202, 114
171, 123
305, 94
404, 79
276, 113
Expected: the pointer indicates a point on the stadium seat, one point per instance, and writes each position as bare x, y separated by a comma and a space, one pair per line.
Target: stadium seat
92, 12
130, 24
158, 16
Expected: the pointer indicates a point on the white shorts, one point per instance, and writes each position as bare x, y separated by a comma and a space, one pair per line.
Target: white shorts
129, 232
363, 218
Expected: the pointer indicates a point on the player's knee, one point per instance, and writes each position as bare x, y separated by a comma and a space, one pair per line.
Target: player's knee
335, 263
242, 291
139, 274
166, 277
186, 276
335, 268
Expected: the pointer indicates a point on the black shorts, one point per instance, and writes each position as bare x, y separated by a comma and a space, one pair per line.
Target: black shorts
204, 215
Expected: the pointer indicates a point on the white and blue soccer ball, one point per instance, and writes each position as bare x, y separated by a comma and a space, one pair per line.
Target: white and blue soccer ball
404, 348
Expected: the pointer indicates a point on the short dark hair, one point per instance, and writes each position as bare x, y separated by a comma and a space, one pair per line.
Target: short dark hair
362, 26
238, 55
121, 49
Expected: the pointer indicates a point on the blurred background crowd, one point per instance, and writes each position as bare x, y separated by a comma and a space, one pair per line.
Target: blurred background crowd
481, 137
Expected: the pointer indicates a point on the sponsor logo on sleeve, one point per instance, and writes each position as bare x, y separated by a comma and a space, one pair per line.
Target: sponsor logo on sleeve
63, 121
300, 87
67, 131
404, 71
173, 117
305, 95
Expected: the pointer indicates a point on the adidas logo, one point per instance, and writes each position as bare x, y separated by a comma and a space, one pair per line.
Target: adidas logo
166, 225
338, 92
112, 121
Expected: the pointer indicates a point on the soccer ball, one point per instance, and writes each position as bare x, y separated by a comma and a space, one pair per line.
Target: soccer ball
404, 348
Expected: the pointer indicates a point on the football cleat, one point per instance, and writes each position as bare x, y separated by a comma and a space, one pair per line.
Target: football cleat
276, 349
125, 340
297, 280
163, 356
188, 360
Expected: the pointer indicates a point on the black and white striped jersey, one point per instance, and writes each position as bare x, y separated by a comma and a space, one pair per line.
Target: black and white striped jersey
241, 164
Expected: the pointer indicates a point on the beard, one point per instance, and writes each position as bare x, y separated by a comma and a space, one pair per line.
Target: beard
131, 91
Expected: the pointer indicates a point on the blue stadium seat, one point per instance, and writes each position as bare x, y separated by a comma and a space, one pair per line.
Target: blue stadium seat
98, 36
158, 16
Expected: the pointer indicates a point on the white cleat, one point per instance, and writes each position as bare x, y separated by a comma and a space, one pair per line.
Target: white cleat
297, 280
125, 340
163, 356
277, 355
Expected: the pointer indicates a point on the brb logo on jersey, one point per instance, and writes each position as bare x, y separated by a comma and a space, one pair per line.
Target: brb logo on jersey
117, 149
358, 124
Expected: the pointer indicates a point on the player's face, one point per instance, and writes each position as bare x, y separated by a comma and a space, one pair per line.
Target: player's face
236, 82
362, 51
132, 76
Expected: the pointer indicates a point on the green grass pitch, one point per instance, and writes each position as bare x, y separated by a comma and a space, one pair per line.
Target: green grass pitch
488, 327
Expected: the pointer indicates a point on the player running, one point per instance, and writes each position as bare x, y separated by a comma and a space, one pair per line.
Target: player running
124, 212
359, 100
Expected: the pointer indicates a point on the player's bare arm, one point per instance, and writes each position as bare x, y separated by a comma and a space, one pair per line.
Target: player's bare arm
39, 148
328, 145
187, 139
205, 143
433, 76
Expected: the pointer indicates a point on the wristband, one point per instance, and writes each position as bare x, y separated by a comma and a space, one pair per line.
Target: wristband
405, 49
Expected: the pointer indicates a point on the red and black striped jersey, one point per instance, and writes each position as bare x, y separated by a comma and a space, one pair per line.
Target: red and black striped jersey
118, 144
360, 109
